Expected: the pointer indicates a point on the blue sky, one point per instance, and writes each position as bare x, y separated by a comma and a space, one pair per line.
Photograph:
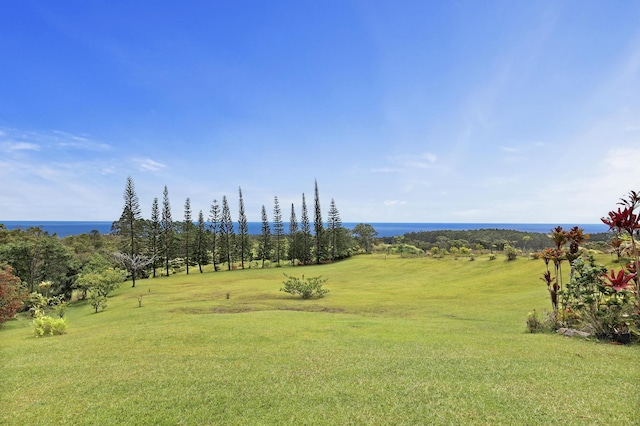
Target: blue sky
404, 111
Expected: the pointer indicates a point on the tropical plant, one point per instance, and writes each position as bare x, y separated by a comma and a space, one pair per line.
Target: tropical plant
306, 288
620, 281
510, 252
11, 294
552, 287
46, 326
625, 220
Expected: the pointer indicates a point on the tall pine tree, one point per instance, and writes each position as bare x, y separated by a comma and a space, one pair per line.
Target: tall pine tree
244, 246
131, 224
154, 234
215, 219
335, 228
278, 228
305, 225
186, 230
227, 234
294, 248
318, 226
200, 252
167, 231
265, 239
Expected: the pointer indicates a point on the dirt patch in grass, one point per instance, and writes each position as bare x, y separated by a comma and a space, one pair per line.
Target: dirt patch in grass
238, 309
312, 308
231, 309
213, 310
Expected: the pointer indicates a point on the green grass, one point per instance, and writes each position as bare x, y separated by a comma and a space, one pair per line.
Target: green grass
396, 341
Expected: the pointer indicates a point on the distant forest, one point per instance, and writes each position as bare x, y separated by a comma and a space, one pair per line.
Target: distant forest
488, 239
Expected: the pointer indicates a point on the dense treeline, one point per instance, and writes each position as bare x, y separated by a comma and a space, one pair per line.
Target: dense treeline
50, 265
172, 245
486, 239
159, 245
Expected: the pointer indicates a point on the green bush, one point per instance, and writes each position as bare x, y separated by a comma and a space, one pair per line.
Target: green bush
47, 326
307, 289
61, 309
534, 324
97, 301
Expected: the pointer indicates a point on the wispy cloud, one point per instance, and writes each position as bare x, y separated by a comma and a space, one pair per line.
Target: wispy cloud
393, 202
35, 140
510, 149
424, 160
384, 170
19, 146
149, 165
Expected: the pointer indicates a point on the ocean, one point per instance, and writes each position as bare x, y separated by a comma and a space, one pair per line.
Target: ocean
385, 229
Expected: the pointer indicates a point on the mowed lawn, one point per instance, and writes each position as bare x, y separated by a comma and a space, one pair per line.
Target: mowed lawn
396, 341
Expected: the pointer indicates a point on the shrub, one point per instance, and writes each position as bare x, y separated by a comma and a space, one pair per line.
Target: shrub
47, 326
510, 252
61, 308
307, 289
11, 294
534, 324
98, 301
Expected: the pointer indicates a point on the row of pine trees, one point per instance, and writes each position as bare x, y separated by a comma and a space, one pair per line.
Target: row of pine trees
161, 243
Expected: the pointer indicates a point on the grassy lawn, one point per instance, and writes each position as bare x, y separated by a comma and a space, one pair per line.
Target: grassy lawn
396, 341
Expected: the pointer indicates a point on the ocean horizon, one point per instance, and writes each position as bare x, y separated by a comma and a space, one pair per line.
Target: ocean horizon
384, 229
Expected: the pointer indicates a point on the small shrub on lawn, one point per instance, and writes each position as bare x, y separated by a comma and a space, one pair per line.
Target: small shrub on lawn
306, 288
46, 326
534, 324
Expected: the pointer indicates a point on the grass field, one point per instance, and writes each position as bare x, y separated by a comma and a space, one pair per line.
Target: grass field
396, 341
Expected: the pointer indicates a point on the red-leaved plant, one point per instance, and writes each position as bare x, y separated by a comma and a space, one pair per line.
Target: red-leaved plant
618, 282
628, 221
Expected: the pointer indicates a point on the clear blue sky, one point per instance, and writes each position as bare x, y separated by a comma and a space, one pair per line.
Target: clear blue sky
404, 111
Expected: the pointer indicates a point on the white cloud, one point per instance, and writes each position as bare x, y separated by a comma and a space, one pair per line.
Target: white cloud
22, 140
393, 202
510, 149
422, 161
384, 170
19, 146
149, 165
71, 141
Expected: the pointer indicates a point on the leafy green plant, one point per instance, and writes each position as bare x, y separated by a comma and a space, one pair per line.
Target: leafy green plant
11, 294
596, 301
98, 301
534, 323
306, 288
61, 308
46, 326
628, 221
510, 252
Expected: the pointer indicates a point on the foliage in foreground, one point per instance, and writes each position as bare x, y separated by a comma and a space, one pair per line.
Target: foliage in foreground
45, 325
11, 294
594, 300
306, 288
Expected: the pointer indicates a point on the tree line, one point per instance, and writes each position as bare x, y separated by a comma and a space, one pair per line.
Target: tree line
488, 239
160, 244
93, 264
